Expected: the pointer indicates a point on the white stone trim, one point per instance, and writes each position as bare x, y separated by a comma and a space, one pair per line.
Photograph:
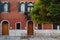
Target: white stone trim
5, 1
52, 26
22, 2
36, 27
42, 26
47, 32
17, 32
57, 27
37, 33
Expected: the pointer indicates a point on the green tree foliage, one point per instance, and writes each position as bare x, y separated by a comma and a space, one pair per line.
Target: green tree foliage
46, 11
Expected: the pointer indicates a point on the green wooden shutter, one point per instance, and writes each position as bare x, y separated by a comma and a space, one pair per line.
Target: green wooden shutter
8, 7
1, 6
26, 6
19, 6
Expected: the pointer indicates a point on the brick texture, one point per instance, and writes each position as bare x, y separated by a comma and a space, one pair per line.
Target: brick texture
14, 16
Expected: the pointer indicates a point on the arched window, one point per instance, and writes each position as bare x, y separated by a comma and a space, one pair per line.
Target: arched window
30, 6
6, 7
22, 7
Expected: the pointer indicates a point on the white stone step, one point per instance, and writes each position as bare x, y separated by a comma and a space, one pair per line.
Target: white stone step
34, 38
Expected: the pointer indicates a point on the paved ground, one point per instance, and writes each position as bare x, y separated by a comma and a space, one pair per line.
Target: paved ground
28, 38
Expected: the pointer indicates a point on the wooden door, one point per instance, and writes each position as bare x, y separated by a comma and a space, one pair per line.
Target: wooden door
30, 28
5, 28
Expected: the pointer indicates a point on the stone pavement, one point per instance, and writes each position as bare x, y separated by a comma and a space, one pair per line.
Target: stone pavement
28, 38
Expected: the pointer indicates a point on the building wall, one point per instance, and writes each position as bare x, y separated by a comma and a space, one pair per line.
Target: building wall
14, 16
47, 26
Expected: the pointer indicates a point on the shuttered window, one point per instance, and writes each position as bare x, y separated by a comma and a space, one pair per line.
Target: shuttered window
26, 6
21, 7
1, 5
6, 7
30, 6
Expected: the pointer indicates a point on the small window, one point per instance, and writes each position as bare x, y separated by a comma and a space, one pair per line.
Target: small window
18, 26
30, 6
39, 26
54, 26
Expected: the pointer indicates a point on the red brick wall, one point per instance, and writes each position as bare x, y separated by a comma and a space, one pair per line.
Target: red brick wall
14, 16
47, 26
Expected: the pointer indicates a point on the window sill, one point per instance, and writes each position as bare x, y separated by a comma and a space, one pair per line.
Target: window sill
21, 12
5, 12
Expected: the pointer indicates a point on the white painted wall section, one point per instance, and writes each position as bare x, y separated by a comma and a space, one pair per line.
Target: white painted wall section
17, 32
36, 32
